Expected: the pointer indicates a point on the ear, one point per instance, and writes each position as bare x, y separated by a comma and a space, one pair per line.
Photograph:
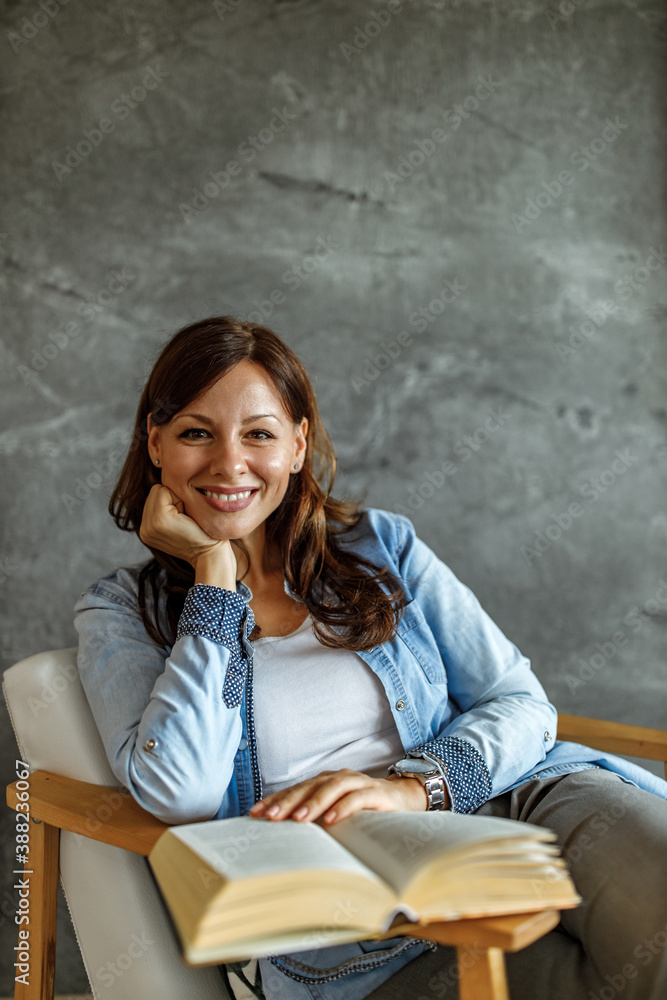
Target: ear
301, 444
154, 440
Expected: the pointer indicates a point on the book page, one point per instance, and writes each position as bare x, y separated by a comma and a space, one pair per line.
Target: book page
270, 944
246, 848
397, 845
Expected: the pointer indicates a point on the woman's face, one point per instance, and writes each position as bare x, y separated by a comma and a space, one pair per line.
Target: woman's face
235, 441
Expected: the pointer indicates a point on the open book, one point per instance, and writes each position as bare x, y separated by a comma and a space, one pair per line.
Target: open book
243, 887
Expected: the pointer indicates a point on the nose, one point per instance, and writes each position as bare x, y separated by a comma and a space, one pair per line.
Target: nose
227, 460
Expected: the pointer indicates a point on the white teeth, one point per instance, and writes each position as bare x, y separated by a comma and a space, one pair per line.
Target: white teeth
227, 496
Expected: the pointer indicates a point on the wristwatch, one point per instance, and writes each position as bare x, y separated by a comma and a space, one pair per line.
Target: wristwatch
427, 773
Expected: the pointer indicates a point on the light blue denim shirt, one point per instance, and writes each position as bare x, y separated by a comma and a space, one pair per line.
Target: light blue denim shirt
177, 723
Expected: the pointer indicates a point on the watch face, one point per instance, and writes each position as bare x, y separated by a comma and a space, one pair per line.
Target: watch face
416, 765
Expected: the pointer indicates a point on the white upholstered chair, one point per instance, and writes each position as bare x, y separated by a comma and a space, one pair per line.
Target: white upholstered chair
116, 909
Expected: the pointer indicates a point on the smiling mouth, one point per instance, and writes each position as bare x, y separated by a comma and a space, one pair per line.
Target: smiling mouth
227, 497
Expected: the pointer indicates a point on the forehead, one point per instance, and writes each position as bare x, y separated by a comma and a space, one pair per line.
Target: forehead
240, 392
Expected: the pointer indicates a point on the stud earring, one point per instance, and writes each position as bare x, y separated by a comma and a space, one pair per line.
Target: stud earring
157, 461
296, 466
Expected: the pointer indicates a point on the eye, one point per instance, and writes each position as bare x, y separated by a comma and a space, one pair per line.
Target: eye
194, 434
261, 435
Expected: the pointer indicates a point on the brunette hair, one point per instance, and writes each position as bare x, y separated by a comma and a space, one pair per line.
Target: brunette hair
306, 525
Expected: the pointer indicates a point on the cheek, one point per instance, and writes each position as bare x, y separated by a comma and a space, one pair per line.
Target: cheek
176, 472
276, 468
178, 464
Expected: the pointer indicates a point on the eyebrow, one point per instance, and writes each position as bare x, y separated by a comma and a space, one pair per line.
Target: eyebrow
207, 420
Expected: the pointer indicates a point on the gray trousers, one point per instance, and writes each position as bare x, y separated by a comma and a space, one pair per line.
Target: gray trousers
614, 838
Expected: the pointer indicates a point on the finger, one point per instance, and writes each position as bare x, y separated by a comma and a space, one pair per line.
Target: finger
280, 804
368, 797
328, 793
157, 501
286, 792
165, 498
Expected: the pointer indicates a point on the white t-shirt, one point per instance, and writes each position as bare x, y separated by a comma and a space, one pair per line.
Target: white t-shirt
318, 709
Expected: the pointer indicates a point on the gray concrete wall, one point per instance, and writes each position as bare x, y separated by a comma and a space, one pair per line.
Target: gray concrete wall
482, 184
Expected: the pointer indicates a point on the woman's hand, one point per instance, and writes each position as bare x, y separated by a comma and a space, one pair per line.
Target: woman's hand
166, 526
339, 794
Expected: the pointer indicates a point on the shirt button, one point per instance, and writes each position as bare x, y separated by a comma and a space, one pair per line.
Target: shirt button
243, 744
150, 744
547, 736
400, 705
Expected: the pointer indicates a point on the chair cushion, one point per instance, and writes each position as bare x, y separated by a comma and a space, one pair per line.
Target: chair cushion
51, 718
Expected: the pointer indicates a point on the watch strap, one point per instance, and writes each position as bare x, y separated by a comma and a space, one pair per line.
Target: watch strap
434, 784
435, 790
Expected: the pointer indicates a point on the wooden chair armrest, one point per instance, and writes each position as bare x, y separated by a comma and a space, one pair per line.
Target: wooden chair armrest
511, 933
94, 811
614, 737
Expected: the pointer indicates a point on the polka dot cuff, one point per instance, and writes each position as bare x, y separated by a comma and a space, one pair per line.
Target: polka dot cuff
464, 768
225, 618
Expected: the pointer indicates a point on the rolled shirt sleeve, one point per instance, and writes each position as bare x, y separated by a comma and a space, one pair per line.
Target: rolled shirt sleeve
225, 618
169, 719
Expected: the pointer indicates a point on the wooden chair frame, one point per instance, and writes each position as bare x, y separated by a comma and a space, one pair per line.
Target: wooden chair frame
58, 803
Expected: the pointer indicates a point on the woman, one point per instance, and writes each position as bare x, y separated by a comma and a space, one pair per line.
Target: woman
286, 654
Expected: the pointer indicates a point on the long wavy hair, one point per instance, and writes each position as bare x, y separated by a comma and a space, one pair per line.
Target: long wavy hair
308, 524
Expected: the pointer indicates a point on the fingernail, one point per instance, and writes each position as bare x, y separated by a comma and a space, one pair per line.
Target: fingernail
300, 813
330, 816
273, 810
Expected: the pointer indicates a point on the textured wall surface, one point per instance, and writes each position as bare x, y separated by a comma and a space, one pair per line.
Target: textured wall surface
452, 211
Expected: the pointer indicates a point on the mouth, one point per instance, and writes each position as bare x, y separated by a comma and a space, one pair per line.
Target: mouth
228, 501
227, 496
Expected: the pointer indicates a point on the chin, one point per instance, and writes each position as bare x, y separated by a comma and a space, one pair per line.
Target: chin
219, 533
222, 526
